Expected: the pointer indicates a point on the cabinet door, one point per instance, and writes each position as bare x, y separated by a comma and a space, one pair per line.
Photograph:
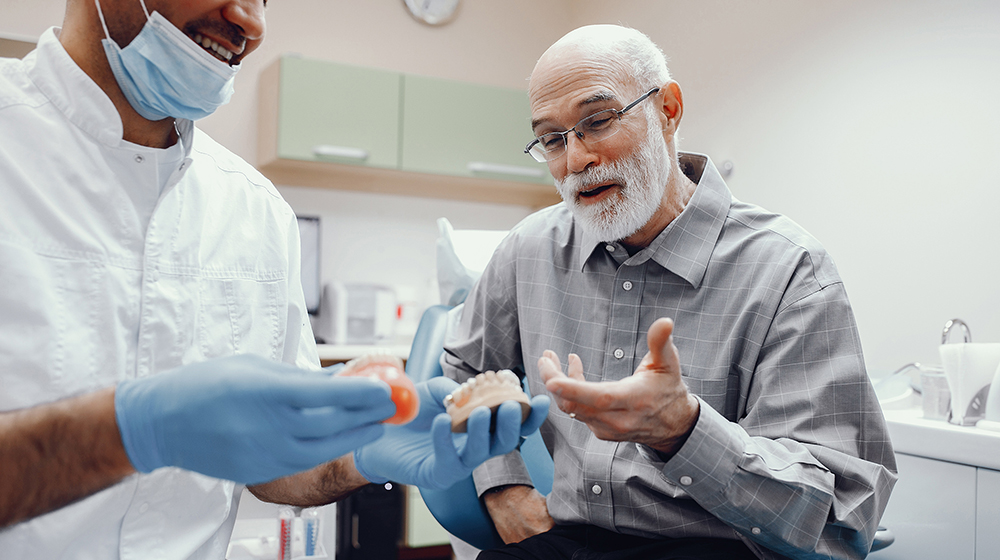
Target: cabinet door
469, 130
987, 514
931, 511
338, 113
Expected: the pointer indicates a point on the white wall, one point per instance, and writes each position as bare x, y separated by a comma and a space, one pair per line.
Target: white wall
871, 123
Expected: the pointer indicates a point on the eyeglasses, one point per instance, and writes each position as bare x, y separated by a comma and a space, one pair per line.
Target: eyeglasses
599, 126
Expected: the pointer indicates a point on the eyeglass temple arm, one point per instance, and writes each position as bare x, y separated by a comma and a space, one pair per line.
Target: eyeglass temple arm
640, 100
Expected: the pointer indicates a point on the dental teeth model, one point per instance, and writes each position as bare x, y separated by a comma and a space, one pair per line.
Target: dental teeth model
488, 389
388, 368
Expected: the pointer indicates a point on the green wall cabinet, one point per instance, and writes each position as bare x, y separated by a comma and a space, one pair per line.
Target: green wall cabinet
469, 130
333, 112
336, 126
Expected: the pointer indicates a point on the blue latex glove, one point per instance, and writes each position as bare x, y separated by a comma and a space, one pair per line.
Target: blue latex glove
247, 419
425, 453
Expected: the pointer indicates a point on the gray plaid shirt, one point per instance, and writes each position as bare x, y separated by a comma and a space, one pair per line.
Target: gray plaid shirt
791, 453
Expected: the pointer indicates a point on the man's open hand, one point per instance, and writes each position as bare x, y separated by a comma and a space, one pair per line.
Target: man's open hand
652, 406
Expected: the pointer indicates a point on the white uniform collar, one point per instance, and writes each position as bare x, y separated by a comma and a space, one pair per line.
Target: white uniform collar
78, 97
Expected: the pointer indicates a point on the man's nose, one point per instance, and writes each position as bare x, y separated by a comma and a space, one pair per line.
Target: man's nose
578, 154
248, 15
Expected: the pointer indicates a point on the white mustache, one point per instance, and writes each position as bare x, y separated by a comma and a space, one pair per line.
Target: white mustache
591, 178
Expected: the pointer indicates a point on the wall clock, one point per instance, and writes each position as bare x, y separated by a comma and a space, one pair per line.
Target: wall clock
432, 12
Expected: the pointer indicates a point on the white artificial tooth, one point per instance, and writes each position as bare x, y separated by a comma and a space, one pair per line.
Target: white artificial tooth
197, 37
448, 400
508, 376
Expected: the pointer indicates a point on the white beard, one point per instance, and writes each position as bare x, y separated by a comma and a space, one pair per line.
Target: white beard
643, 177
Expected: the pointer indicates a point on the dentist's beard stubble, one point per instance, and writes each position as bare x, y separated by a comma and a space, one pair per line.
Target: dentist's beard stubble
643, 177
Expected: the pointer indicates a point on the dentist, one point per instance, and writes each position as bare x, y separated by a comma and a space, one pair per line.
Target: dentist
155, 350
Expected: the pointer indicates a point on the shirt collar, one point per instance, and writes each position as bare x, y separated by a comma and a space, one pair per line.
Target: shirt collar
78, 97
685, 246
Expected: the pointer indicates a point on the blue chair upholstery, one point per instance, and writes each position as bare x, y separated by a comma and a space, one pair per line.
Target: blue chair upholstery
458, 509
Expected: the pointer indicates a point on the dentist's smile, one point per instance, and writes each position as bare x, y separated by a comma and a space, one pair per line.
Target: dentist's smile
214, 48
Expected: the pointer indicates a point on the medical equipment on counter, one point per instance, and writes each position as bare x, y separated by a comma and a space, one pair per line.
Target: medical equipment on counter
969, 368
286, 520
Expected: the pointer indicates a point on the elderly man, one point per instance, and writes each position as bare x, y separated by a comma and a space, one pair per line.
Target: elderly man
715, 402
155, 345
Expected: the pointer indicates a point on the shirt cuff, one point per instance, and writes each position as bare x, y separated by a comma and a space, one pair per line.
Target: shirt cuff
500, 471
707, 461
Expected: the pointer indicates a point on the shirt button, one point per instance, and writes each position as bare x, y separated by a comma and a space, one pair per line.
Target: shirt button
139, 158
143, 508
154, 275
686, 480
610, 248
755, 530
619, 353
596, 489
181, 168
627, 285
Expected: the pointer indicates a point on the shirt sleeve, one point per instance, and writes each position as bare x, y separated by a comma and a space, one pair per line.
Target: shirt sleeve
300, 344
808, 470
487, 338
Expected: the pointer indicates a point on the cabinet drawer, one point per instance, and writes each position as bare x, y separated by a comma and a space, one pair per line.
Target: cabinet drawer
932, 511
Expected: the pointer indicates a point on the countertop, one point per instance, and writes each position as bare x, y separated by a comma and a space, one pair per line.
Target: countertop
345, 352
913, 434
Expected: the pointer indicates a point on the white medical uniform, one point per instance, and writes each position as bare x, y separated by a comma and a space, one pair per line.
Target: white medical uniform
121, 261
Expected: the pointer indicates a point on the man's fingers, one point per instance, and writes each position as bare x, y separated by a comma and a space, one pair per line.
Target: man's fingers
312, 391
662, 353
575, 368
608, 395
507, 429
539, 412
554, 357
477, 444
549, 367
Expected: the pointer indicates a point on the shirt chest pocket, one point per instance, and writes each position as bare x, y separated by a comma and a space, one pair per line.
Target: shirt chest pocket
239, 316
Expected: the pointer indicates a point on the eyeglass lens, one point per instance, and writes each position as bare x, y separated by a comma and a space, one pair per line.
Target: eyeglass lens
599, 126
596, 127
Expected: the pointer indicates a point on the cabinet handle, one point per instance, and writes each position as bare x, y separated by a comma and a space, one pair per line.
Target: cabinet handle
325, 150
484, 167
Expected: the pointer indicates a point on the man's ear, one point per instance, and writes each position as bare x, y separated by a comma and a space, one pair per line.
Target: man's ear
671, 105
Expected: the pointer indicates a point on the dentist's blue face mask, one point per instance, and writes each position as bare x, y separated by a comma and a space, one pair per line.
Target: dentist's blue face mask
163, 73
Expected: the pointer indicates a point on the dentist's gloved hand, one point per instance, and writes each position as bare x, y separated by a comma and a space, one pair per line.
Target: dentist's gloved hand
425, 453
246, 419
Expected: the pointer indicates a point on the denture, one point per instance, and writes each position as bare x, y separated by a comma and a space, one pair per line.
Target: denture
388, 368
489, 389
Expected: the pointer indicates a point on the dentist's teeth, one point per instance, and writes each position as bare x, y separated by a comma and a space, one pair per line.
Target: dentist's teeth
220, 51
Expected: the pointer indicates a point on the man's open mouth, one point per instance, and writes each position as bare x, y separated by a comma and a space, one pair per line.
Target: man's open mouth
215, 49
595, 191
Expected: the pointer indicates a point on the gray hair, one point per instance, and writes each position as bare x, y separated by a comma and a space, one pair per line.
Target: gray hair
646, 60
